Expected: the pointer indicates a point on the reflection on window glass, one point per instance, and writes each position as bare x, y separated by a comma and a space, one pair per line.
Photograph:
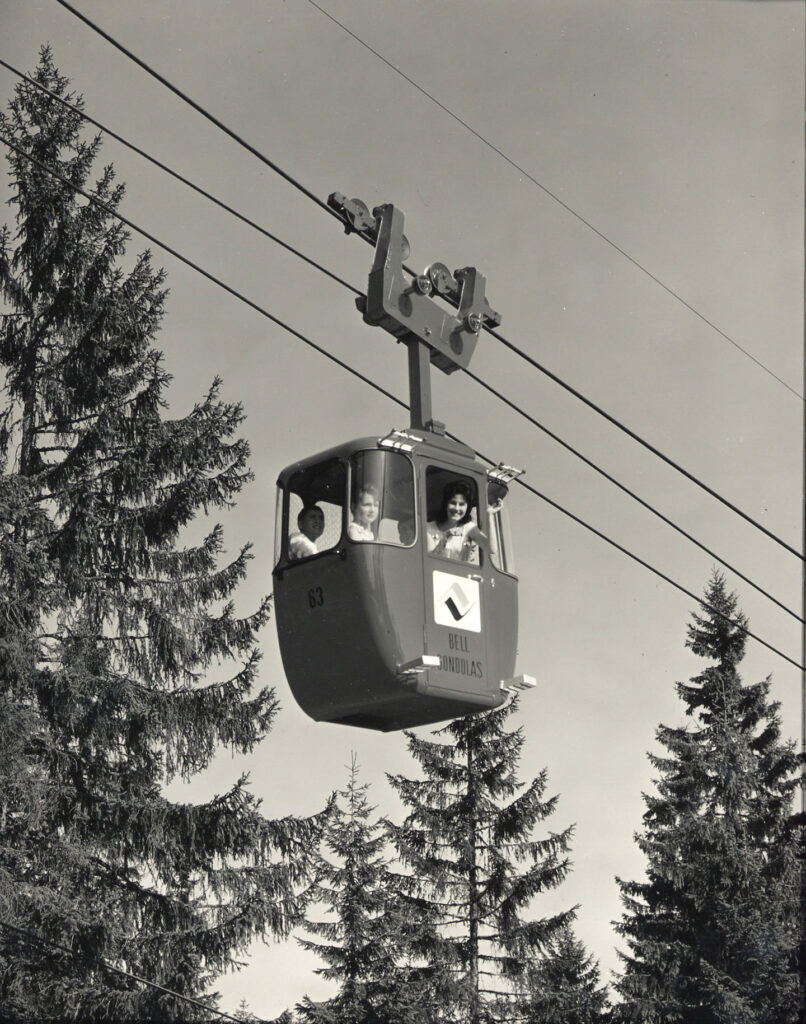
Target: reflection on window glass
498, 519
452, 530
315, 509
382, 499
279, 533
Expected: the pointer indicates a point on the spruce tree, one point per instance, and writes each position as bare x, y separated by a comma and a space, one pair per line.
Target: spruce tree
123, 663
473, 864
712, 932
367, 940
564, 985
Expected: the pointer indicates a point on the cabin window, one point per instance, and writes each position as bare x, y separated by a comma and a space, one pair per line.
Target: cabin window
381, 499
452, 515
498, 519
315, 510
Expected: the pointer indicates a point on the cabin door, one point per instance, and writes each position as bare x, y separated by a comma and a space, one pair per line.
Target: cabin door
455, 583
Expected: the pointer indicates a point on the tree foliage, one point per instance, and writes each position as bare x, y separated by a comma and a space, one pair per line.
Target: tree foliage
473, 863
712, 932
564, 985
123, 662
366, 941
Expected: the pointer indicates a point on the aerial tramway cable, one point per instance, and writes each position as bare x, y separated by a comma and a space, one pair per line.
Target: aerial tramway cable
280, 323
552, 195
496, 334
314, 263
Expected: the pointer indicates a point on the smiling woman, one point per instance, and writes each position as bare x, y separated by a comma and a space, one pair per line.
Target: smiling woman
454, 532
365, 514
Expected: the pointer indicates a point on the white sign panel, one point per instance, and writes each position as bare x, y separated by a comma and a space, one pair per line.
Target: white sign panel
457, 602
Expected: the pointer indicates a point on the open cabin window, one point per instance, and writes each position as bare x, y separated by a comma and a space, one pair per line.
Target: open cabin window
501, 554
449, 536
382, 506
314, 510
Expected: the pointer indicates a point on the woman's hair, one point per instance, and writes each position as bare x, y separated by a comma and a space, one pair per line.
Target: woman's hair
370, 489
456, 487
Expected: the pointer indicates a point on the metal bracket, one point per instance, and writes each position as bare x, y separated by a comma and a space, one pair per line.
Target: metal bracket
504, 474
356, 216
405, 308
421, 664
401, 440
518, 683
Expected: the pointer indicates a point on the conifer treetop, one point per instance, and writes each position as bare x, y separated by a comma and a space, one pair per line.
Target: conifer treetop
712, 933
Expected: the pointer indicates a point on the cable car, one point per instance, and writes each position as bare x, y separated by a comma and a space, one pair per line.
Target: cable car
395, 594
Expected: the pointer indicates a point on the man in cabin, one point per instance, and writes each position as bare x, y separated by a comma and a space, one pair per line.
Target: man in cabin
311, 525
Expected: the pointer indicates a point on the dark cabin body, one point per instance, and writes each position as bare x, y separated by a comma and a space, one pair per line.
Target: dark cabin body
385, 634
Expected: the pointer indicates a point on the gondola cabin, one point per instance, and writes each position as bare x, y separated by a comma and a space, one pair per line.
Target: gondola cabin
379, 626
396, 602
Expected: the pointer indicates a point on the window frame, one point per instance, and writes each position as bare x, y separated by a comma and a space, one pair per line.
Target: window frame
337, 547
430, 464
386, 454
507, 543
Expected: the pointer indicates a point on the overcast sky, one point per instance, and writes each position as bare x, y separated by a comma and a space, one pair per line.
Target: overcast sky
668, 129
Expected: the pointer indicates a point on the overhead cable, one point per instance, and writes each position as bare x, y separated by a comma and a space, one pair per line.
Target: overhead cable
648, 445
98, 961
646, 565
533, 362
345, 366
199, 269
556, 198
622, 487
199, 109
179, 177
207, 195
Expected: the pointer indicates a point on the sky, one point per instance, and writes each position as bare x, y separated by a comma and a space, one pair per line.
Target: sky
629, 179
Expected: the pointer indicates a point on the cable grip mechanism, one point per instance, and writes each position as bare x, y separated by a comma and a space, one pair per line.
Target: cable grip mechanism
408, 309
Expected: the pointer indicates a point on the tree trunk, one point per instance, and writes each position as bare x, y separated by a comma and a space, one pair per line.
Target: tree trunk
473, 910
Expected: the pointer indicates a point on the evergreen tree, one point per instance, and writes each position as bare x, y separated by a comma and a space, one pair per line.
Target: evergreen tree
564, 985
243, 1013
474, 866
713, 931
367, 939
115, 640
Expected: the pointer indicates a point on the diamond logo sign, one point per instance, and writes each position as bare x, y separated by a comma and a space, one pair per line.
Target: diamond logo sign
456, 602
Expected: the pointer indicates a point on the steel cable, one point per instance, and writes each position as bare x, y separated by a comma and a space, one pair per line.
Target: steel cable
496, 334
346, 366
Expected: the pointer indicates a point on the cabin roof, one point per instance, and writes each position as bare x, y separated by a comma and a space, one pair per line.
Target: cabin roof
422, 442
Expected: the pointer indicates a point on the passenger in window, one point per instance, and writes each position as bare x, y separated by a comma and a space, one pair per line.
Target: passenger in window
365, 514
311, 526
406, 531
454, 534
496, 492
